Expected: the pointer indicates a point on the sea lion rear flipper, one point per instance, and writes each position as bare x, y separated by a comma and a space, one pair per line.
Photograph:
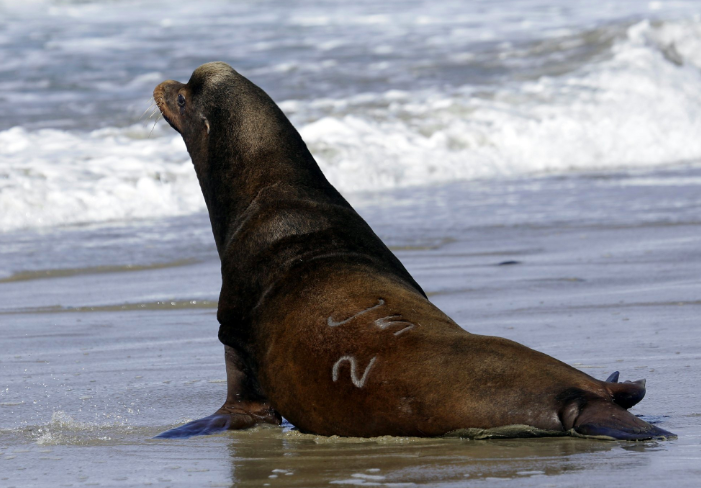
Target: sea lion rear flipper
604, 418
628, 393
245, 406
613, 378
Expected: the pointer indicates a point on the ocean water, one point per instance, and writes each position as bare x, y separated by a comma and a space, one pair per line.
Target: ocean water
386, 94
565, 136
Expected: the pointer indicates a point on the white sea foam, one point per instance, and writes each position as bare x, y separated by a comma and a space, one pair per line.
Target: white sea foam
64, 429
637, 105
51, 177
638, 108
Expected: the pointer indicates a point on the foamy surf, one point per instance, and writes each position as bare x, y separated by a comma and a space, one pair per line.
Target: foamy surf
54, 177
638, 108
631, 102
63, 429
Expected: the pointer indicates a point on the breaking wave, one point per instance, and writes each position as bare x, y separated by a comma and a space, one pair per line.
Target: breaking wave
635, 103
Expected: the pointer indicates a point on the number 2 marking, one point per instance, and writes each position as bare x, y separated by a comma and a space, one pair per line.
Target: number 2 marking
358, 382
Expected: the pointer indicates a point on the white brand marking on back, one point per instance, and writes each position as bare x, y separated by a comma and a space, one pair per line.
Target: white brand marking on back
391, 320
332, 323
410, 326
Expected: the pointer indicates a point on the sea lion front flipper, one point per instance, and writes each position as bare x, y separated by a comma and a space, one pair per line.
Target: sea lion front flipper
245, 406
222, 420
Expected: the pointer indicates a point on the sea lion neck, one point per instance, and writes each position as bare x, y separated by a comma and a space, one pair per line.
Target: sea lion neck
251, 146
231, 186
272, 210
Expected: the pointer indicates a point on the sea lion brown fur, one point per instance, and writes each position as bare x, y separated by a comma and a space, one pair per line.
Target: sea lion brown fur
321, 322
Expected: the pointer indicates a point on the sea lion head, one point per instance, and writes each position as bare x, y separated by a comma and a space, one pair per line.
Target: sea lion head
225, 120
238, 138
187, 107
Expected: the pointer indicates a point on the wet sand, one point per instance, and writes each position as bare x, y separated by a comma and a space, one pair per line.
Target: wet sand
117, 341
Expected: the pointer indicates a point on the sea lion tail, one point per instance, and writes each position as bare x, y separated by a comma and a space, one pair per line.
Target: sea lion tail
602, 418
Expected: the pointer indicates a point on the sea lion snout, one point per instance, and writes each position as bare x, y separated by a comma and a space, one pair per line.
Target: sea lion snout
169, 99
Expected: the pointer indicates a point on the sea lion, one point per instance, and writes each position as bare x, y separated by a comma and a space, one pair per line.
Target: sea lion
321, 322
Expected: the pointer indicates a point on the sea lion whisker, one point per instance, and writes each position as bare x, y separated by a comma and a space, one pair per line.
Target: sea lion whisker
149, 108
156, 110
154, 126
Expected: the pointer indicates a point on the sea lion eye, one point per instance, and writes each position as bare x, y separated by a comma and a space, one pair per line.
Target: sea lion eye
181, 101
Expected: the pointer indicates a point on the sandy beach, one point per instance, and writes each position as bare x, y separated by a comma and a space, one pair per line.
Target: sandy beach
97, 362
